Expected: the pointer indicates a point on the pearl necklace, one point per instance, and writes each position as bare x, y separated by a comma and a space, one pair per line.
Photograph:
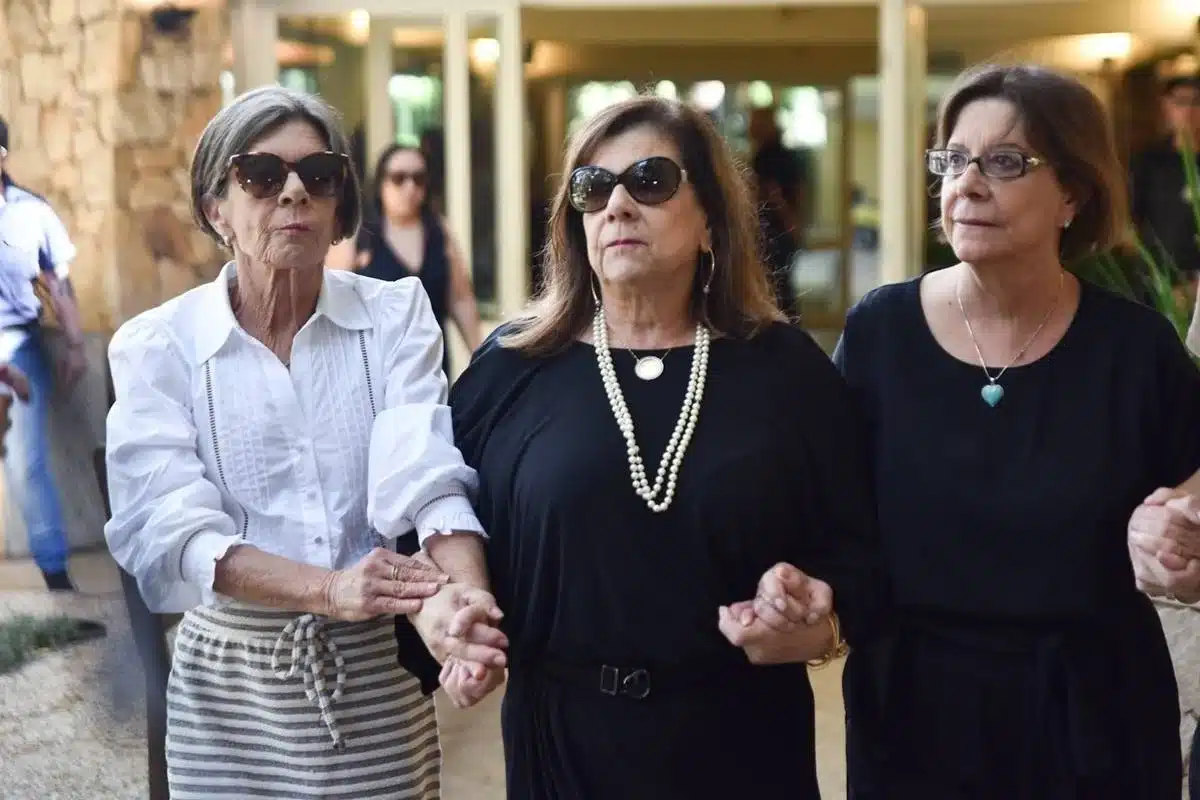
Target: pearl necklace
668, 469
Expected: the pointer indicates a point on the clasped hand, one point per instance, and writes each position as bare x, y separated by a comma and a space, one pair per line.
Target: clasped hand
382, 582
787, 620
459, 626
1164, 545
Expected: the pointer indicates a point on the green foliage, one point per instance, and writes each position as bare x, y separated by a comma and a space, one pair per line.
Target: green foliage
23, 636
1149, 275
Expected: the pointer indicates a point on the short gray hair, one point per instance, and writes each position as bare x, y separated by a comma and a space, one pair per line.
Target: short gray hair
251, 117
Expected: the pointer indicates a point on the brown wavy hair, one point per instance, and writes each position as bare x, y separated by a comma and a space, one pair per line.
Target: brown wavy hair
740, 301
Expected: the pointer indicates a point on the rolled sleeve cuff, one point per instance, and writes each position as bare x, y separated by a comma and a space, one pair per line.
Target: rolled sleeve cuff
198, 562
446, 514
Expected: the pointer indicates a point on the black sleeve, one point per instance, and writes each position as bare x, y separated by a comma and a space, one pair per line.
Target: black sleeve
1178, 429
845, 550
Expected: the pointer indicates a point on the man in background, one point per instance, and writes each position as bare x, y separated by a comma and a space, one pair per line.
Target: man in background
35, 250
1162, 204
781, 196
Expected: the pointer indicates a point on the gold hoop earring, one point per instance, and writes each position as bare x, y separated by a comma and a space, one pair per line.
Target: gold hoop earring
712, 270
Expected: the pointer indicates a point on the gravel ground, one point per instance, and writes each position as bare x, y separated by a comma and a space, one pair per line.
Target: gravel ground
72, 722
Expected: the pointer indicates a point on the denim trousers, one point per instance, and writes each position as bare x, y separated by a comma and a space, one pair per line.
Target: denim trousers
29, 458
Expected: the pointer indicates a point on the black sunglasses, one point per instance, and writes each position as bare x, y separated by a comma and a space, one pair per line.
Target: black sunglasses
399, 177
264, 175
651, 182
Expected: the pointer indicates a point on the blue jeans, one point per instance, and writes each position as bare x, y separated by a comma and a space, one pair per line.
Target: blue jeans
29, 457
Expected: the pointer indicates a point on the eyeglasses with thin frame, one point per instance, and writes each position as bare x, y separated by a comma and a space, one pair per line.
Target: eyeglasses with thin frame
263, 175
1005, 165
651, 182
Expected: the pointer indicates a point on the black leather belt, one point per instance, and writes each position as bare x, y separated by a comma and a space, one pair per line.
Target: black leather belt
639, 682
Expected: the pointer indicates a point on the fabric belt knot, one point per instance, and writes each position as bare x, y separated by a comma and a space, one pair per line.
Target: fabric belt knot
310, 645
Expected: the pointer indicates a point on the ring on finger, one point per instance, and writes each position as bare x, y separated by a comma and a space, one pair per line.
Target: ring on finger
395, 572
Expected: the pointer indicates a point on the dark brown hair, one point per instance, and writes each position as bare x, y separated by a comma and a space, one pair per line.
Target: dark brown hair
740, 300
1065, 124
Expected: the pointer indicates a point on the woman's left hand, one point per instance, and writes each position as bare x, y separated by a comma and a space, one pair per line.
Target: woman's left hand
468, 682
764, 644
788, 598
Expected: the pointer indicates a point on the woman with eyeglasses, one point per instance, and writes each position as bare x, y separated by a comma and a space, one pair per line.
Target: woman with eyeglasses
407, 237
274, 433
661, 458
1018, 418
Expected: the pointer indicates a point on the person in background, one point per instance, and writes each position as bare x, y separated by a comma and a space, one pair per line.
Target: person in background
781, 198
37, 250
1162, 203
407, 238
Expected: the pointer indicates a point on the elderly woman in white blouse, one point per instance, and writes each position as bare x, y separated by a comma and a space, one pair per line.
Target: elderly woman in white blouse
274, 433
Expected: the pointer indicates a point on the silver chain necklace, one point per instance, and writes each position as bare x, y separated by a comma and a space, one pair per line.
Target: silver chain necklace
992, 392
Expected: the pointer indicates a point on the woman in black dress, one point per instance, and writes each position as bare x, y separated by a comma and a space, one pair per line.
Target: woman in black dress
1018, 418
638, 667
407, 238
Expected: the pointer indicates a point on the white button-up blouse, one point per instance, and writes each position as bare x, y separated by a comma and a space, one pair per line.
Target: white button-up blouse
213, 441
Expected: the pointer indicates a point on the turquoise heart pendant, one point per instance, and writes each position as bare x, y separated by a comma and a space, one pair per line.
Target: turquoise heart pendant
992, 394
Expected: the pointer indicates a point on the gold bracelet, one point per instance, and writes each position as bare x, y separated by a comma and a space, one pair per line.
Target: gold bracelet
839, 648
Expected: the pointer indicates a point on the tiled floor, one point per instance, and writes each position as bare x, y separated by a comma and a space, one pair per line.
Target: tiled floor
474, 768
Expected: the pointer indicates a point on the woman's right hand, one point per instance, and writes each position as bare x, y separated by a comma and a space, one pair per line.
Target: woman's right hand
383, 582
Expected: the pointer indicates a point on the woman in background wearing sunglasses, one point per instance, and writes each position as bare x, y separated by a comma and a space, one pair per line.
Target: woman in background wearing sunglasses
409, 238
274, 432
660, 455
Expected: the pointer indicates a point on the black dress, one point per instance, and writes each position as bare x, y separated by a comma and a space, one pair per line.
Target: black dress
433, 271
589, 577
1024, 664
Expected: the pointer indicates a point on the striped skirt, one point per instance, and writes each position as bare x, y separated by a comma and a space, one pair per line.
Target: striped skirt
266, 703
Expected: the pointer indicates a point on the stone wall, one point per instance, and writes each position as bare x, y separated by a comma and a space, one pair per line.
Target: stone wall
104, 112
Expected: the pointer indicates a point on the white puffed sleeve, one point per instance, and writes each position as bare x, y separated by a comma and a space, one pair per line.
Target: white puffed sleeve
168, 528
417, 478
